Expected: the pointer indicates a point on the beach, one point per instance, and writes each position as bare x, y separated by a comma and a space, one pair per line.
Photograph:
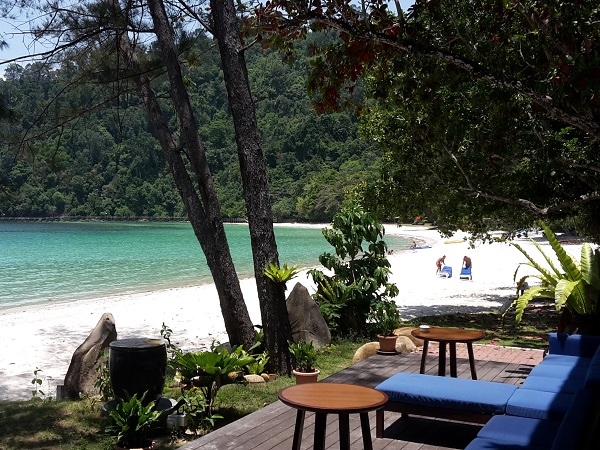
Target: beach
45, 336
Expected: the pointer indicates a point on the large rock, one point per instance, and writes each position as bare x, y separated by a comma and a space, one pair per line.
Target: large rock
406, 331
306, 319
83, 369
403, 345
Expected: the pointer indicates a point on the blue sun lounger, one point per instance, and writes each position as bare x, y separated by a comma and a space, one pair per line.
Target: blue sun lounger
446, 272
465, 274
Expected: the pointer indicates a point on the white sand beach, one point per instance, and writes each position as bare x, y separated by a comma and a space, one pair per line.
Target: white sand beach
45, 336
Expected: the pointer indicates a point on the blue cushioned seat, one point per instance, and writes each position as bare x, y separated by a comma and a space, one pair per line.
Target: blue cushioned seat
520, 430
573, 344
567, 360
489, 444
454, 393
557, 371
538, 404
551, 384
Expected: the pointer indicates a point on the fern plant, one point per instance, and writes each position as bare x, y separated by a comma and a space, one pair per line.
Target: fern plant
575, 285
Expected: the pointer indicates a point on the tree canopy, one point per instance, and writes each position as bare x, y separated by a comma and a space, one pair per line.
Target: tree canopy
487, 110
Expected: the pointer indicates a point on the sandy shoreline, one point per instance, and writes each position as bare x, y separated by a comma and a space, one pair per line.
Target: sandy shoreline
45, 336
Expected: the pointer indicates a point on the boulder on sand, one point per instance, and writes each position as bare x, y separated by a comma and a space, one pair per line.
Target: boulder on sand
306, 320
83, 369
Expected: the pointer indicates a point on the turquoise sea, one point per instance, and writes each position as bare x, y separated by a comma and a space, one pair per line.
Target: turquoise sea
62, 261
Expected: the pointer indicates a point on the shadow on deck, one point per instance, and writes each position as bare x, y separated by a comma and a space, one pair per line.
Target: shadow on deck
273, 426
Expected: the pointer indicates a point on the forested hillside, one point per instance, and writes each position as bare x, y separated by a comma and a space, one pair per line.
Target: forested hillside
86, 149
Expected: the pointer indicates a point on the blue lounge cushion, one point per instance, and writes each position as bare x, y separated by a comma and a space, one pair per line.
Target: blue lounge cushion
551, 384
520, 430
592, 380
571, 430
567, 360
557, 371
538, 404
485, 397
596, 359
489, 444
573, 344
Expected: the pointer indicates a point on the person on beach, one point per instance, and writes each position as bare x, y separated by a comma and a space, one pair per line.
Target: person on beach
413, 245
466, 262
439, 263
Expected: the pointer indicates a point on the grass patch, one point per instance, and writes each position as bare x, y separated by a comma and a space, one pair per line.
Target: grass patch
77, 425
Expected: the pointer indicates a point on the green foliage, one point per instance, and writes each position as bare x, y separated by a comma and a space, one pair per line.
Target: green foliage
38, 381
332, 296
575, 285
258, 366
210, 370
281, 274
305, 355
487, 111
197, 409
385, 317
102, 382
108, 162
360, 275
131, 421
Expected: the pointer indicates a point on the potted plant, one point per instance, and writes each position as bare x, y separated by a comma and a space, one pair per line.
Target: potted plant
385, 318
305, 355
131, 421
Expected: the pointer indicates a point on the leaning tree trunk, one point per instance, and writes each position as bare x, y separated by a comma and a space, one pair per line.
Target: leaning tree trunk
273, 309
201, 200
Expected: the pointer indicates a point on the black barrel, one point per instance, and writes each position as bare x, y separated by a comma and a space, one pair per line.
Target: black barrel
137, 366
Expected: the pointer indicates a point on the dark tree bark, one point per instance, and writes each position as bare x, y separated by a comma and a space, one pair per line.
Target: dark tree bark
274, 314
199, 195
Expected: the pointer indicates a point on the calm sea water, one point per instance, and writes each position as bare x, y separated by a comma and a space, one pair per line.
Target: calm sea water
61, 261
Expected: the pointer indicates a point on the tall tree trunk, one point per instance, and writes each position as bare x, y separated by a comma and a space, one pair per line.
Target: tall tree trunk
273, 309
199, 197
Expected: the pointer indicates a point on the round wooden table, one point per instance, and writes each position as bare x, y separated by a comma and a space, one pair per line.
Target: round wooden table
449, 336
332, 398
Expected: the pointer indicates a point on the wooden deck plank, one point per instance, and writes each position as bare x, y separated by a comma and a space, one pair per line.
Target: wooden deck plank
272, 427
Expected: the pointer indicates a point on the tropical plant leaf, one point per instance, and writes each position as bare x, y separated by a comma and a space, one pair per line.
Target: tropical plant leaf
522, 301
567, 288
589, 266
569, 266
546, 276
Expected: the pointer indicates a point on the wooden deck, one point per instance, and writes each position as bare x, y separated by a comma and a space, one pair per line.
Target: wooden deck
273, 426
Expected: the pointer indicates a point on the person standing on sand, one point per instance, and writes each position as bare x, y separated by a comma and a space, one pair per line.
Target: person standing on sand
439, 263
466, 262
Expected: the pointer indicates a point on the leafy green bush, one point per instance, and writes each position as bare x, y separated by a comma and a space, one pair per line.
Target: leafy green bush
360, 270
210, 370
131, 420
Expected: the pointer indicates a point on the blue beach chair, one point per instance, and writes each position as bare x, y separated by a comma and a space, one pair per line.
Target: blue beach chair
465, 274
446, 272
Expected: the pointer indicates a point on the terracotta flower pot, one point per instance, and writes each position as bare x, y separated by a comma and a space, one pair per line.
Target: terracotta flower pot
387, 344
306, 377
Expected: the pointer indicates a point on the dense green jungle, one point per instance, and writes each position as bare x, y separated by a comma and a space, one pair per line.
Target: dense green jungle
72, 148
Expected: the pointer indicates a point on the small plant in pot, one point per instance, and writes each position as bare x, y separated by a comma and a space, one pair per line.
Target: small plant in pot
131, 421
305, 355
385, 318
